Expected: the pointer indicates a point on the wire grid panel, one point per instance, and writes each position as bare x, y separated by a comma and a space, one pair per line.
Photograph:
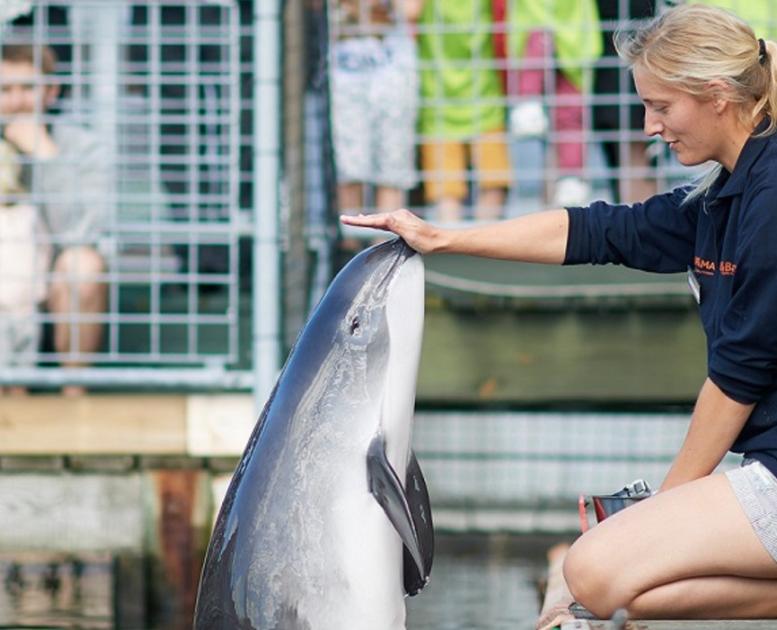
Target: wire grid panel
518, 108
536, 463
147, 119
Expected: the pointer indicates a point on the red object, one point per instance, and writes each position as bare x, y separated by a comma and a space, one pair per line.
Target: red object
581, 505
499, 38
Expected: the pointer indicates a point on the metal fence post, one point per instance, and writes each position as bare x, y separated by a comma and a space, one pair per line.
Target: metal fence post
266, 289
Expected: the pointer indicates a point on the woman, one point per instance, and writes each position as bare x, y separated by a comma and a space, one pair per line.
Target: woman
705, 546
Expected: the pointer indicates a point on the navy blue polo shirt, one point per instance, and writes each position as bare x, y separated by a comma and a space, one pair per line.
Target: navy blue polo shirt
728, 239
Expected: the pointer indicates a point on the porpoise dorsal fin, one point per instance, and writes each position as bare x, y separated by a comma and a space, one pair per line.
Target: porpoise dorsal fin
409, 512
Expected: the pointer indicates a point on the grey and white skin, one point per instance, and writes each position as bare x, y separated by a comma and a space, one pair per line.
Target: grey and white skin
326, 524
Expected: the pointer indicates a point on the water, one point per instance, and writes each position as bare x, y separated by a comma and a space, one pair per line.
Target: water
481, 583
478, 582
56, 591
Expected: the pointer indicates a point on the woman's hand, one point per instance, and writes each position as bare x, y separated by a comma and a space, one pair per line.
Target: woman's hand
417, 233
539, 238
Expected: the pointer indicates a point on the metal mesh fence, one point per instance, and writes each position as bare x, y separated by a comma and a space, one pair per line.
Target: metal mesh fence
489, 109
523, 471
132, 152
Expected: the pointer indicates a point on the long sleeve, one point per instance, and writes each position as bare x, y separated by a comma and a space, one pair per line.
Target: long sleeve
657, 235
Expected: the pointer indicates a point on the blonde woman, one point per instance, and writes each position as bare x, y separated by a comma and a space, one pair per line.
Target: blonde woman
705, 546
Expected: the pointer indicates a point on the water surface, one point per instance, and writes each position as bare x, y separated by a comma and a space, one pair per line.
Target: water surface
479, 582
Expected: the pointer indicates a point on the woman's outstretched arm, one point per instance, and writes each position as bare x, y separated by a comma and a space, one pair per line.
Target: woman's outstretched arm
540, 237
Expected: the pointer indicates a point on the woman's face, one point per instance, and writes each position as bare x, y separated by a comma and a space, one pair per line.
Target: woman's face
688, 124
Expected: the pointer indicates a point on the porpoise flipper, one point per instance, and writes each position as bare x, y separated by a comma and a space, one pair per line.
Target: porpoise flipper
408, 511
421, 511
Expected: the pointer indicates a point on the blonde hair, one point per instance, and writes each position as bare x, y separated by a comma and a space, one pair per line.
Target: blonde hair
690, 45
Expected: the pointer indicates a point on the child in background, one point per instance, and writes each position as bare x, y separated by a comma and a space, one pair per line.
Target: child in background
374, 102
462, 120
24, 260
557, 44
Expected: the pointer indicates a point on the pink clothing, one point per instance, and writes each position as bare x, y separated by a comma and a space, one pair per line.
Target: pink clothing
567, 115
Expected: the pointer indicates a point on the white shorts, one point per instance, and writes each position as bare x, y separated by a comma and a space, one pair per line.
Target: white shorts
756, 489
374, 85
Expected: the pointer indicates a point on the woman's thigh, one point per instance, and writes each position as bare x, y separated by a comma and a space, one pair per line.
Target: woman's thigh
695, 530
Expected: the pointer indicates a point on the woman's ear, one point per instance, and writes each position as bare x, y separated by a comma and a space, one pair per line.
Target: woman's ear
719, 92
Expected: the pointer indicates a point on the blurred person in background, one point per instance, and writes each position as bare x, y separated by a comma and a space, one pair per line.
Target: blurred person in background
705, 545
760, 14
65, 171
556, 45
374, 97
462, 119
24, 262
617, 111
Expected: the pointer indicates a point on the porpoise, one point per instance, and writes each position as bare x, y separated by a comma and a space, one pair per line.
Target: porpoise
326, 524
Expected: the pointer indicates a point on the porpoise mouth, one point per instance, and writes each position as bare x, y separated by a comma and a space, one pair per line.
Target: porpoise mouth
402, 250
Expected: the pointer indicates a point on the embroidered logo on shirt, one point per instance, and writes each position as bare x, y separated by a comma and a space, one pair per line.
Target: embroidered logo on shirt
708, 267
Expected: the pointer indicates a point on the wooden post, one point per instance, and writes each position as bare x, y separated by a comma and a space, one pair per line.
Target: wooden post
177, 533
555, 605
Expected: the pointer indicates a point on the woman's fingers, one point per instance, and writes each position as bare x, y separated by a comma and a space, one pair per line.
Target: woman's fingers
416, 232
383, 220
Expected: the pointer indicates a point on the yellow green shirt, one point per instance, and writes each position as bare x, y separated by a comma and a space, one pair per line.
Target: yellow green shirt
761, 15
461, 91
577, 37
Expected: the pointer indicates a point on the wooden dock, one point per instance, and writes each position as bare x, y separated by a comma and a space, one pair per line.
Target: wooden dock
130, 480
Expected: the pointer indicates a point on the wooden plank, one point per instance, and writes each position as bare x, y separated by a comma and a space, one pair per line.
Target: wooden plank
219, 425
485, 355
555, 603
95, 423
71, 512
178, 528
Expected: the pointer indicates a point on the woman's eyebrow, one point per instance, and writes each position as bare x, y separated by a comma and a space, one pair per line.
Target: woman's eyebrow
654, 101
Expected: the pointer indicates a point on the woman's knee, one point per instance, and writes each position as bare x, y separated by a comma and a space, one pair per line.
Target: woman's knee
593, 578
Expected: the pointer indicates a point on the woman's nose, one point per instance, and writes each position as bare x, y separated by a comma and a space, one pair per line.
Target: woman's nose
653, 126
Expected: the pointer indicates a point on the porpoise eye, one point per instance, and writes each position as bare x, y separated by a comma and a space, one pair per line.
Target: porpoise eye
354, 325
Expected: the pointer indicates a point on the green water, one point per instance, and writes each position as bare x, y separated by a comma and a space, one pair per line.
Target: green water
478, 583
